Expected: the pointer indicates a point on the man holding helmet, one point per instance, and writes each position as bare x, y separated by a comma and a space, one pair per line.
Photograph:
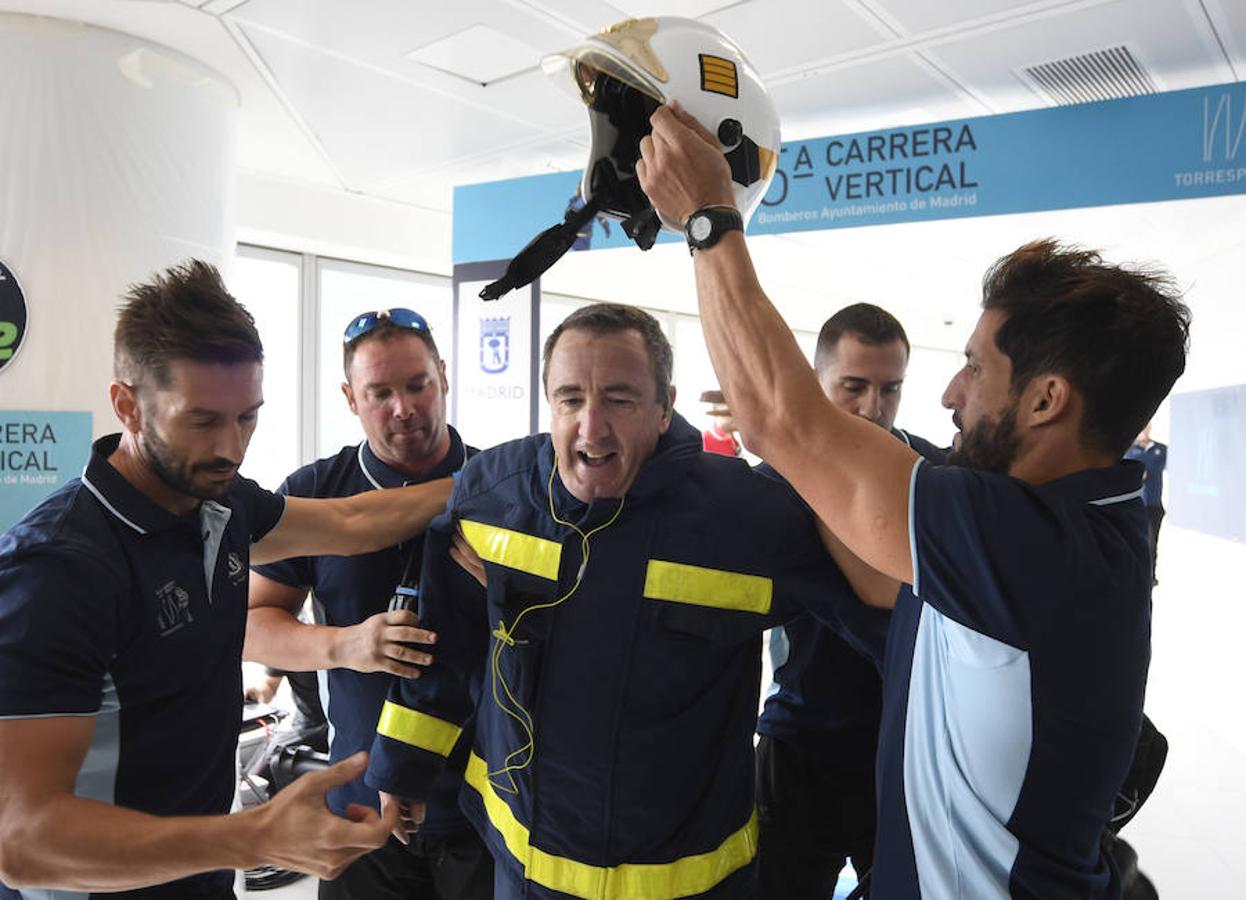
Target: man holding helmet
1017, 654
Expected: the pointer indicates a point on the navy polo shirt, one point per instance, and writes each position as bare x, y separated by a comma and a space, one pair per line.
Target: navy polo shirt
827, 696
1013, 684
1154, 457
348, 589
113, 607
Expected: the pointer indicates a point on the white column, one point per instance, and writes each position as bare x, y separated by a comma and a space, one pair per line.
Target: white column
117, 159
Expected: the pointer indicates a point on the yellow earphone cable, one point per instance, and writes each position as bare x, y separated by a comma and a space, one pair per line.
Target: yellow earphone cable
504, 637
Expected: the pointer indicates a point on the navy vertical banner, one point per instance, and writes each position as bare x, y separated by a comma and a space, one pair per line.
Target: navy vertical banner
495, 385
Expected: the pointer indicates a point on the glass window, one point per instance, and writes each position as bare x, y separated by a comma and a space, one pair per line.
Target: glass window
694, 372
266, 282
921, 406
347, 289
554, 308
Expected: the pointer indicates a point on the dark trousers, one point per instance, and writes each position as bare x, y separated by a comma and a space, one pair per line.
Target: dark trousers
432, 867
813, 818
1154, 517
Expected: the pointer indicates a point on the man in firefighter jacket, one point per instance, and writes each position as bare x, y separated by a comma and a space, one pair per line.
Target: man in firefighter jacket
613, 662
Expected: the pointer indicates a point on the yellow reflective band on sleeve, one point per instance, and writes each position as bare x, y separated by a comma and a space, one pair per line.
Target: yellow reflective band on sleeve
684, 877
513, 549
417, 729
680, 583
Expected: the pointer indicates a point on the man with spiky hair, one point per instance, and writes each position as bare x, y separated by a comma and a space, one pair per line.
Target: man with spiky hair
122, 612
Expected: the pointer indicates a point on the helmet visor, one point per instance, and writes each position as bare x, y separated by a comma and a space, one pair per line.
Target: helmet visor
579, 70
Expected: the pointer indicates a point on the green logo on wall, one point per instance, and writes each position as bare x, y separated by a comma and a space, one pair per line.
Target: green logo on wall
12, 315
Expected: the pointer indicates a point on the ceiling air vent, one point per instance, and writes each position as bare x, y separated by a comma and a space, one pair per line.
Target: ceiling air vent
1101, 75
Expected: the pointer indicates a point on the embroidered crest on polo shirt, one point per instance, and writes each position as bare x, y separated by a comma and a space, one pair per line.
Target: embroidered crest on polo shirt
173, 609
237, 571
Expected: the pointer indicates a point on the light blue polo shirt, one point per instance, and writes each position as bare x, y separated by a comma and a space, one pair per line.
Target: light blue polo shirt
1013, 685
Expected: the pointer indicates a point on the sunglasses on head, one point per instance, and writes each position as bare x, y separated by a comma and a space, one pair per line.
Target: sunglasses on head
365, 322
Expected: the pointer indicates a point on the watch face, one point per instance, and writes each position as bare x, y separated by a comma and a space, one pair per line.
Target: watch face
700, 227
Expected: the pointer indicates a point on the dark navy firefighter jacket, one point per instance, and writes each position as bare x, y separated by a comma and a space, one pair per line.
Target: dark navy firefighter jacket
613, 750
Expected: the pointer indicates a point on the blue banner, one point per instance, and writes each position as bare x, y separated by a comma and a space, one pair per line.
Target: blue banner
39, 452
1173, 146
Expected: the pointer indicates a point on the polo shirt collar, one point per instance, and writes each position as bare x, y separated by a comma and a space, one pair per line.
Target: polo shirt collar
126, 502
381, 475
1102, 487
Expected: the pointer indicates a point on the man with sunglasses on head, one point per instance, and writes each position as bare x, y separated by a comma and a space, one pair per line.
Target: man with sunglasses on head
396, 385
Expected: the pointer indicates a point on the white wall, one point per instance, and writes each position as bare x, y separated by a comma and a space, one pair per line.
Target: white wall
289, 215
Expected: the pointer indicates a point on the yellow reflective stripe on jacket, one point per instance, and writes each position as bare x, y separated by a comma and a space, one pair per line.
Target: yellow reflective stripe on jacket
682, 878
680, 583
513, 549
417, 729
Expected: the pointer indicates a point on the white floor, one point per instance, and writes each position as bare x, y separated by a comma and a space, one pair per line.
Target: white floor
1190, 837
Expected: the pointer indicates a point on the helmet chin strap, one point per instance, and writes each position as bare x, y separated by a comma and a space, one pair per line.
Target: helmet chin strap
542, 251
643, 227
608, 193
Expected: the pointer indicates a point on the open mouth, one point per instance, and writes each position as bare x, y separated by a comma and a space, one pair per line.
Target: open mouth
595, 460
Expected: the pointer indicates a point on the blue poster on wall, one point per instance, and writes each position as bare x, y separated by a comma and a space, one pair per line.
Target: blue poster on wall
1172, 146
39, 452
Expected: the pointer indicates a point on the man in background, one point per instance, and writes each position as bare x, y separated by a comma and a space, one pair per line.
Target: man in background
1154, 457
819, 728
396, 385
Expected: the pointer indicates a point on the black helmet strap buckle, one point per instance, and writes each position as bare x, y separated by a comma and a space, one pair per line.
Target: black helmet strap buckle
614, 189
542, 252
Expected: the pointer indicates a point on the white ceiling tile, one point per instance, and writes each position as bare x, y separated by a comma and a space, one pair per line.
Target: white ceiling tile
377, 127
777, 35
380, 32
480, 54
915, 16
580, 18
688, 9
534, 97
893, 91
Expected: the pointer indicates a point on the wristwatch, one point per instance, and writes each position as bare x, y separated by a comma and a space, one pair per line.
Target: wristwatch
709, 223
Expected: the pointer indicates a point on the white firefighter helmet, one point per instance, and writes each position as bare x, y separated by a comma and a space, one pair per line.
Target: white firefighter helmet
626, 71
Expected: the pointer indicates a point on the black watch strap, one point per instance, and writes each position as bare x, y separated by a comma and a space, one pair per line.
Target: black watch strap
707, 225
